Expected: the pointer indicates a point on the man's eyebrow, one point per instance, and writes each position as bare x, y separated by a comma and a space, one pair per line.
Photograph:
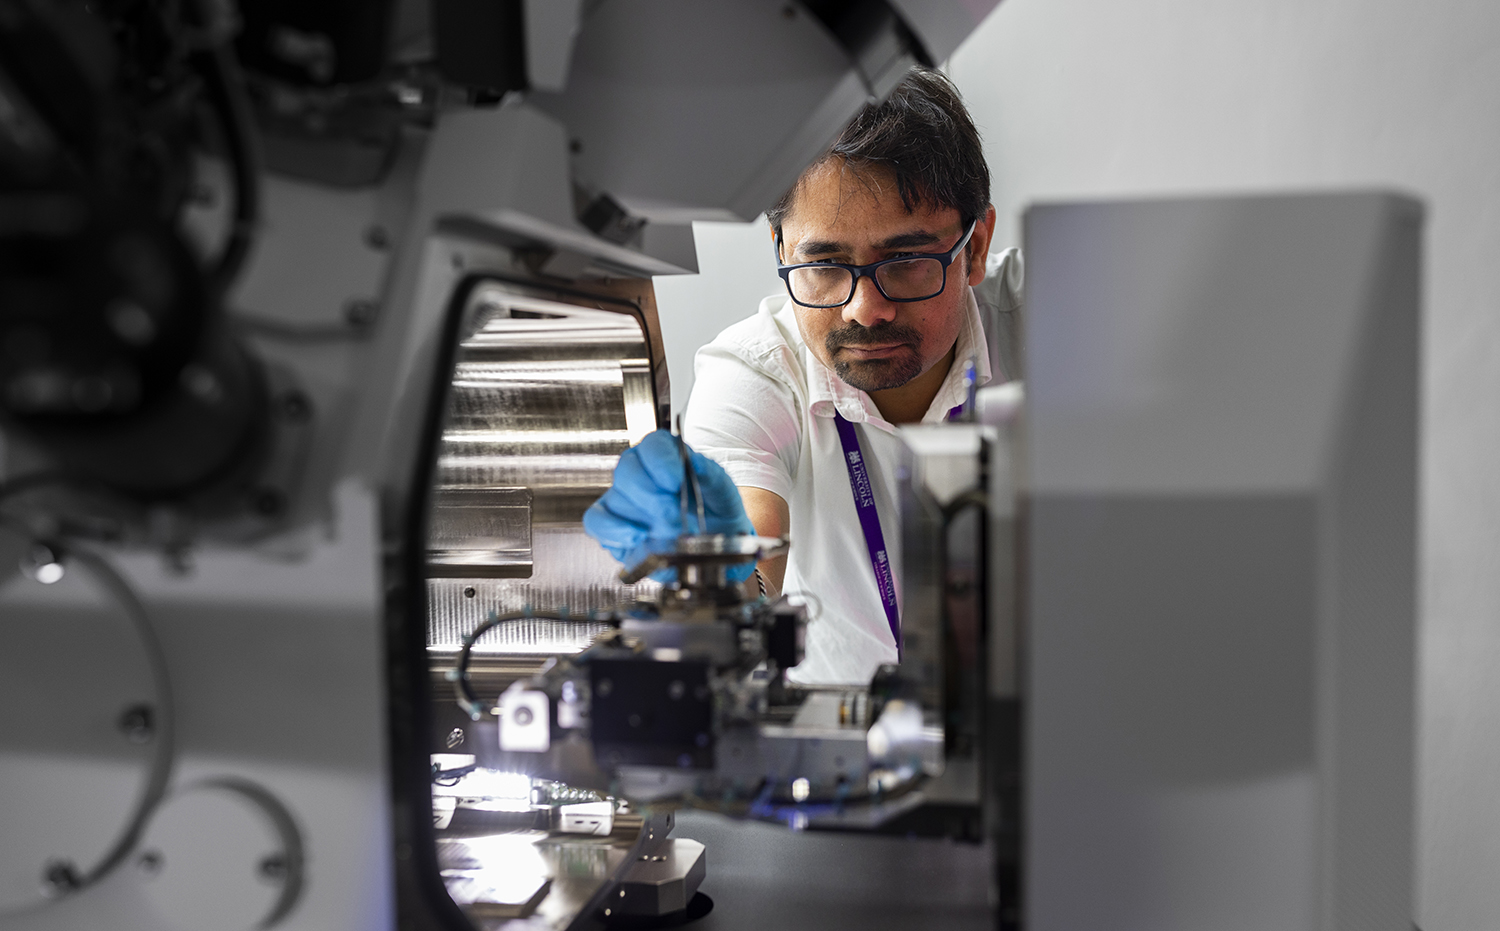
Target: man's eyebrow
810, 247
907, 240
817, 247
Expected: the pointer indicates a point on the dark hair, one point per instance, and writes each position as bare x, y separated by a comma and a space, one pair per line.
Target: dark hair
923, 133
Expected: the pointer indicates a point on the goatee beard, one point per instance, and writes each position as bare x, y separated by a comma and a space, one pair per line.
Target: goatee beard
876, 374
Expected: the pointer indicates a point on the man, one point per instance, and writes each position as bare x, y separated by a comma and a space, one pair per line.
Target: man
880, 244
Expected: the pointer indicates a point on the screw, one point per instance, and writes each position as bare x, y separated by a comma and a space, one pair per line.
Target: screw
61, 876
522, 716
273, 868
455, 738
359, 312
295, 406
469, 591
138, 723
622, 893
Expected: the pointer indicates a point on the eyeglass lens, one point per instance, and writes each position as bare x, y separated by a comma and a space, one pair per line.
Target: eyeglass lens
913, 279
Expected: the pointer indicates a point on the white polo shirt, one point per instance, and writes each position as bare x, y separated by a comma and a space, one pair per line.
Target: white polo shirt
762, 407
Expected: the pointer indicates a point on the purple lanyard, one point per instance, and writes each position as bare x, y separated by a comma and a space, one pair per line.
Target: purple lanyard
869, 522
869, 519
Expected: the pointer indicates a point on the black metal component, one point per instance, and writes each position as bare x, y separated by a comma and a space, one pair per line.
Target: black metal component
1003, 813
608, 220
422, 901
656, 714
315, 43
481, 44
871, 31
786, 641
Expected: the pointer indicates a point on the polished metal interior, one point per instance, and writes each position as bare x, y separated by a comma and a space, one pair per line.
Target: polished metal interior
548, 390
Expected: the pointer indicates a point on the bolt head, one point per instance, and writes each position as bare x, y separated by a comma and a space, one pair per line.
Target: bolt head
138, 723
274, 868
296, 407
60, 876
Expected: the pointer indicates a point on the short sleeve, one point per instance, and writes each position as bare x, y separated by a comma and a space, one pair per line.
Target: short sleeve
1000, 308
745, 417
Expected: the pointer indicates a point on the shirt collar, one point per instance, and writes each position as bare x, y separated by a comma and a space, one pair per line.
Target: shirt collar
827, 393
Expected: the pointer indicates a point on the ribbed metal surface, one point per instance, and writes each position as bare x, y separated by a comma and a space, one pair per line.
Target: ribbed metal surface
545, 397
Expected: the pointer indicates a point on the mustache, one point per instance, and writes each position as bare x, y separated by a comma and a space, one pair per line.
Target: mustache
853, 334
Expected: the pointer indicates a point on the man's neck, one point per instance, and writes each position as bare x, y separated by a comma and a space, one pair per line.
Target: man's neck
908, 403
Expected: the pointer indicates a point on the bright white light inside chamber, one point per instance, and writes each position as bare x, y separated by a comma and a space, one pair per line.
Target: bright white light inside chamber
489, 783
47, 573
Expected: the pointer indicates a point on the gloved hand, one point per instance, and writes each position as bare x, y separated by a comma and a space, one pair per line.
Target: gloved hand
644, 505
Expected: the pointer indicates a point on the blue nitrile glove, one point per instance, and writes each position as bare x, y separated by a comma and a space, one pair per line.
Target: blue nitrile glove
644, 505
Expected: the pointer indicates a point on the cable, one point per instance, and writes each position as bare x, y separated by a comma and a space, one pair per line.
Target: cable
448, 778
227, 89
459, 674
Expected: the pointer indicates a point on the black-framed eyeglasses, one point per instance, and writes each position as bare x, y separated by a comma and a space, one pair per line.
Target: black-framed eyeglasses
904, 279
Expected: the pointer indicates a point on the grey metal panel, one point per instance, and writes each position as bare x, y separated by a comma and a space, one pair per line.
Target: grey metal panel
1200, 345
943, 25
764, 876
687, 110
1220, 566
544, 398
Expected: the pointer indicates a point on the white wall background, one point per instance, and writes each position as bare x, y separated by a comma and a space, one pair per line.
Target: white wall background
1100, 98
736, 268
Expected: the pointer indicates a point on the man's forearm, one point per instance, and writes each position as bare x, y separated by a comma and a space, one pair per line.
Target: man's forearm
771, 517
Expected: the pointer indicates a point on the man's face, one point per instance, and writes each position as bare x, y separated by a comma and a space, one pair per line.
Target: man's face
851, 218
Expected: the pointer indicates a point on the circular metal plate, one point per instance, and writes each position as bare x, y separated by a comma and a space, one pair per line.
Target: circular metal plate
83, 745
220, 856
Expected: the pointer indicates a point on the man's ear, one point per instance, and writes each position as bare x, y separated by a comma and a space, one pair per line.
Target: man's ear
979, 245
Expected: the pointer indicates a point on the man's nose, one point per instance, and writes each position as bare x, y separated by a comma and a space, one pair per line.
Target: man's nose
868, 306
